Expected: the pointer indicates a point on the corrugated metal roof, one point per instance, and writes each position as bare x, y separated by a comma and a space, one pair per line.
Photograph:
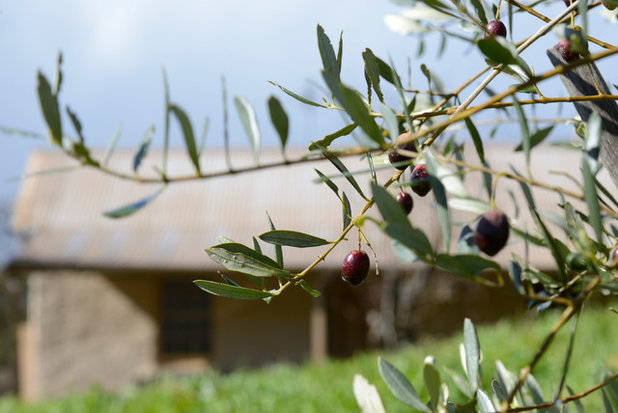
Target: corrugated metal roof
61, 214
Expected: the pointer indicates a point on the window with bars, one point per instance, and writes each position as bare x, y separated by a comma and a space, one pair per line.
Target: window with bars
185, 319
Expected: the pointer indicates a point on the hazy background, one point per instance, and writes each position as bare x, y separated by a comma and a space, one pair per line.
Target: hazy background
114, 52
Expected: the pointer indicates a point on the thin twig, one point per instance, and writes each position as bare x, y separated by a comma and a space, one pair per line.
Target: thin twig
567, 399
564, 317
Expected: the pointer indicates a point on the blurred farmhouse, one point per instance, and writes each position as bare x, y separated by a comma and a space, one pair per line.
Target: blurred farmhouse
98, 301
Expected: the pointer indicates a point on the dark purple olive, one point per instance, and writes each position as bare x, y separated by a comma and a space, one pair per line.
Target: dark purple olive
495, 28
420, 180
406, 202
355, 267
492, 232
397, 158
564, 48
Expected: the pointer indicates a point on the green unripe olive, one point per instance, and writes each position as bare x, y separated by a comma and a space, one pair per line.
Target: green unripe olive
576, 261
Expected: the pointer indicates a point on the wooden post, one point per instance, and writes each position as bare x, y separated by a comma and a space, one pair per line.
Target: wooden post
579, 82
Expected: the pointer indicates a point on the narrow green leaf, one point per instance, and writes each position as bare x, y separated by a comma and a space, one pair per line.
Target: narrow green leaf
130, 209
432, 383
328, 139
187, 132
592, 141
607, 405
467, 265
239, 258
342, 168
526, 190
373, 71
465, 243
440, 197
231, 291
390, 119
334, 85
328, 182
49, 107
525, 132
228, 279
397, 225
279, 119
389, 208
592, 201
402, 97
359, 113
578, 404
305, 286
346, 210
480, 10
77, 125
550, 242
515, 274
496, 51
246, 113
473, 354
438, 5
256, 246
404, 253
575, 227
200, 148
142, 149
476, 139
413, 239
427, 74
605, 192
297, 96
111, 146
477, 206
340, 51
292, 239
536, 138
59, 76
327, 54
401, 388
385, 70
484, 402
499, 391
224, 240
535, 390
226, 129
166, 127
278, 249
461, 383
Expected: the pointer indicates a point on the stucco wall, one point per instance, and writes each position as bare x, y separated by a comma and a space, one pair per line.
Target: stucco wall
87, 329
252, 333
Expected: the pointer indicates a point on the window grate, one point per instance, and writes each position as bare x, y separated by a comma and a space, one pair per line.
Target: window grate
185, 318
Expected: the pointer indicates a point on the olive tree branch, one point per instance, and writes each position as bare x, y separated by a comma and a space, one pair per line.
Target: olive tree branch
542, 31
567, 399
546, 19
566, 315
523, 179
462, 114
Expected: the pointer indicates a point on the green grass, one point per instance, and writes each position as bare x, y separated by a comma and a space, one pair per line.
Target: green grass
327, 387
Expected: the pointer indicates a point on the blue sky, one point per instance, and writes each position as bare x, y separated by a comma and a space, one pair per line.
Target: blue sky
114, 52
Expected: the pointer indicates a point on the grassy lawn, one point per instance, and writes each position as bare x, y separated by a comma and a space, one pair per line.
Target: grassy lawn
327, 387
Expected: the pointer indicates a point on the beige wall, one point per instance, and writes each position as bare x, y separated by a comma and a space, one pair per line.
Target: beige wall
85, 330
252, 333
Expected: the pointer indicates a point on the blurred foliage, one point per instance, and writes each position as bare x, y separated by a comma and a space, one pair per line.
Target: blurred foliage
328, 386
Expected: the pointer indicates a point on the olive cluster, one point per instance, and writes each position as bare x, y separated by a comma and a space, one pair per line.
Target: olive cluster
490, 235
